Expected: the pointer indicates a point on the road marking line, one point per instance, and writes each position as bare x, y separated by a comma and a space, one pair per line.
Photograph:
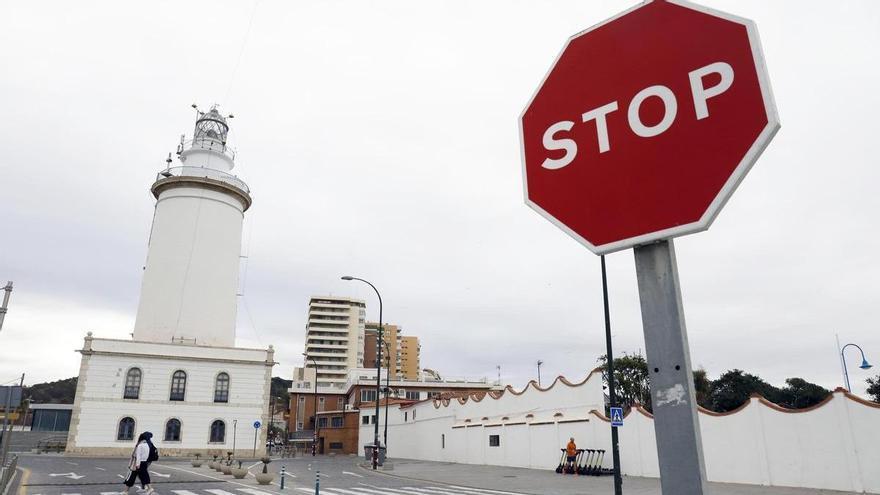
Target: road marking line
332, 491
352, 474
160, 474
395, 490
109, 493
72, 463
483, 490
433, 490
183, 492
100, 469
213, 478
215, 491
25, 474
252, 491
384, 491
254, 464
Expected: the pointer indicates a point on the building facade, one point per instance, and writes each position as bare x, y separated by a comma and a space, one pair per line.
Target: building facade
400, 354
342, 410
335, 337
181, 377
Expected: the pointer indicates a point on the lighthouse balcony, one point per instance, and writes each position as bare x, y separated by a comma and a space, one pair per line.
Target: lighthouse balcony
203, 172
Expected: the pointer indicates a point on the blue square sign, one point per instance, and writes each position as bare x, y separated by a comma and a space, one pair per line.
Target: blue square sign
616, 416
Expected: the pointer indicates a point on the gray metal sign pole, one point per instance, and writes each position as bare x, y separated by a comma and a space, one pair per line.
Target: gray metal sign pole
676, 426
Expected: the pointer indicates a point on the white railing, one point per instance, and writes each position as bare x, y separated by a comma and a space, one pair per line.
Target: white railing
208, 173
206, 143
7, 472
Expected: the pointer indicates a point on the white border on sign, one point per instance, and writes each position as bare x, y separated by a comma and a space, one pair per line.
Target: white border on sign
736, 177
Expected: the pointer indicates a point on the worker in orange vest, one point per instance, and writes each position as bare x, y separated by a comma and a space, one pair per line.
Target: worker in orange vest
571, 453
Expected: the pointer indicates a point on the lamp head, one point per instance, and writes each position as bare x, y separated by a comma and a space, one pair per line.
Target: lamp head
865, 364
348, 277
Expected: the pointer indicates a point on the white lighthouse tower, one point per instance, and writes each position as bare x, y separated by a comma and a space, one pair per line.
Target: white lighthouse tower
181, 376
191, 276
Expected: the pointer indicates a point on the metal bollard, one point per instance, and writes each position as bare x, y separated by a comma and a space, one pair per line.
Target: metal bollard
282, 477
317, 482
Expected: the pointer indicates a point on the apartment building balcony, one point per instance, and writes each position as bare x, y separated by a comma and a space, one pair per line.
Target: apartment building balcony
316, 346
327, 323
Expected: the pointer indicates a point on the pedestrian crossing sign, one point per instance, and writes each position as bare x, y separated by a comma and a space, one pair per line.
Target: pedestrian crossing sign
616, 416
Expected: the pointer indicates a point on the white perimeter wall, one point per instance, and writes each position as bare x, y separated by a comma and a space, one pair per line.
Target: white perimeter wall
834, 446
99, 405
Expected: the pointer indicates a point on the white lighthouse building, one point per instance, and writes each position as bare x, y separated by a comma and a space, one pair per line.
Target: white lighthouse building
181, 376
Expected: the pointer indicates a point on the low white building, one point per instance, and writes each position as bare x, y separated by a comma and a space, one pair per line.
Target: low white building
834, 445
192, 398
181, 377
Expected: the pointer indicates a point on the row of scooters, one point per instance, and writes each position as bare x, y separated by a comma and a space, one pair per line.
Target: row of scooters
587, 463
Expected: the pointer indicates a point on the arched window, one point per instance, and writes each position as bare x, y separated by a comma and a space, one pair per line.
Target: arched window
172, 430
221, 388
178, 385
132, 384
218, 432
126, 429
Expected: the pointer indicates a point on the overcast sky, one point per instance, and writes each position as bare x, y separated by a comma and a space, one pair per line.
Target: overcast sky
380, 140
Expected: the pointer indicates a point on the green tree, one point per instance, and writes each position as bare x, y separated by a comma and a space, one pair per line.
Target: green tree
702, 388
631, 379
279, 387
800, 393
874, 388
57, 392
733, 388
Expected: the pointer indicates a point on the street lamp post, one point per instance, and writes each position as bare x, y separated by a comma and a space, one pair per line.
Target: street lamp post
387, 391
865, 365
378, 371
315, 429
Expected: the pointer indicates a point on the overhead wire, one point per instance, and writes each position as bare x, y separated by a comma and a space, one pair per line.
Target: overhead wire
241, 51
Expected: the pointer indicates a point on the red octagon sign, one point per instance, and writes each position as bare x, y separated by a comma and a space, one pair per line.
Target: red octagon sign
646, 123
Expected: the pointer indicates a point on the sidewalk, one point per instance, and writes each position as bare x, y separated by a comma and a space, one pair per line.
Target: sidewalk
543, 482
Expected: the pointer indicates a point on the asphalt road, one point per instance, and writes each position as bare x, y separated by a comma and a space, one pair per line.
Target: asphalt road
63, 475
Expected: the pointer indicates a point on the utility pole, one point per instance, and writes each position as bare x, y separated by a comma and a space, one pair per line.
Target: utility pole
7, 290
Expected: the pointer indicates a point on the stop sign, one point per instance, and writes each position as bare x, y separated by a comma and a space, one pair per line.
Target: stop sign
646, 123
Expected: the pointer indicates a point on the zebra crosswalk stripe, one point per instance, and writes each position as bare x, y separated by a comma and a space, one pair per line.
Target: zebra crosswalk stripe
183, 492
433, 490
483, 490
386, 491
251, 491
383, 491
214, 491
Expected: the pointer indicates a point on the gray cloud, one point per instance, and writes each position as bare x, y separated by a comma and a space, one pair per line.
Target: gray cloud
381, 140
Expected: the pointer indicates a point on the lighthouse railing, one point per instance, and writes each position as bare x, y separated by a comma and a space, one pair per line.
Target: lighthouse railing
208, 173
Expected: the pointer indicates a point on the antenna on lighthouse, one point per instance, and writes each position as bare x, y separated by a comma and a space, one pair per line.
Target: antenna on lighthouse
167, 171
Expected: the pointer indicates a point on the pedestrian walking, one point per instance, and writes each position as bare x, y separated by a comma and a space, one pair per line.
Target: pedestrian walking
144, 453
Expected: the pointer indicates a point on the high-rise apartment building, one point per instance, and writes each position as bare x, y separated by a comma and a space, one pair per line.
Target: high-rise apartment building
335, 338
400, 354
408, 362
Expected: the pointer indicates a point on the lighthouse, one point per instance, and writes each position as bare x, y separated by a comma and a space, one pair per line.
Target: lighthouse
190, 279
181, 376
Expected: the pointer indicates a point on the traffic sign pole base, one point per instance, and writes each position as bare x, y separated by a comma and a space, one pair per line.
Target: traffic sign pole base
676, 426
